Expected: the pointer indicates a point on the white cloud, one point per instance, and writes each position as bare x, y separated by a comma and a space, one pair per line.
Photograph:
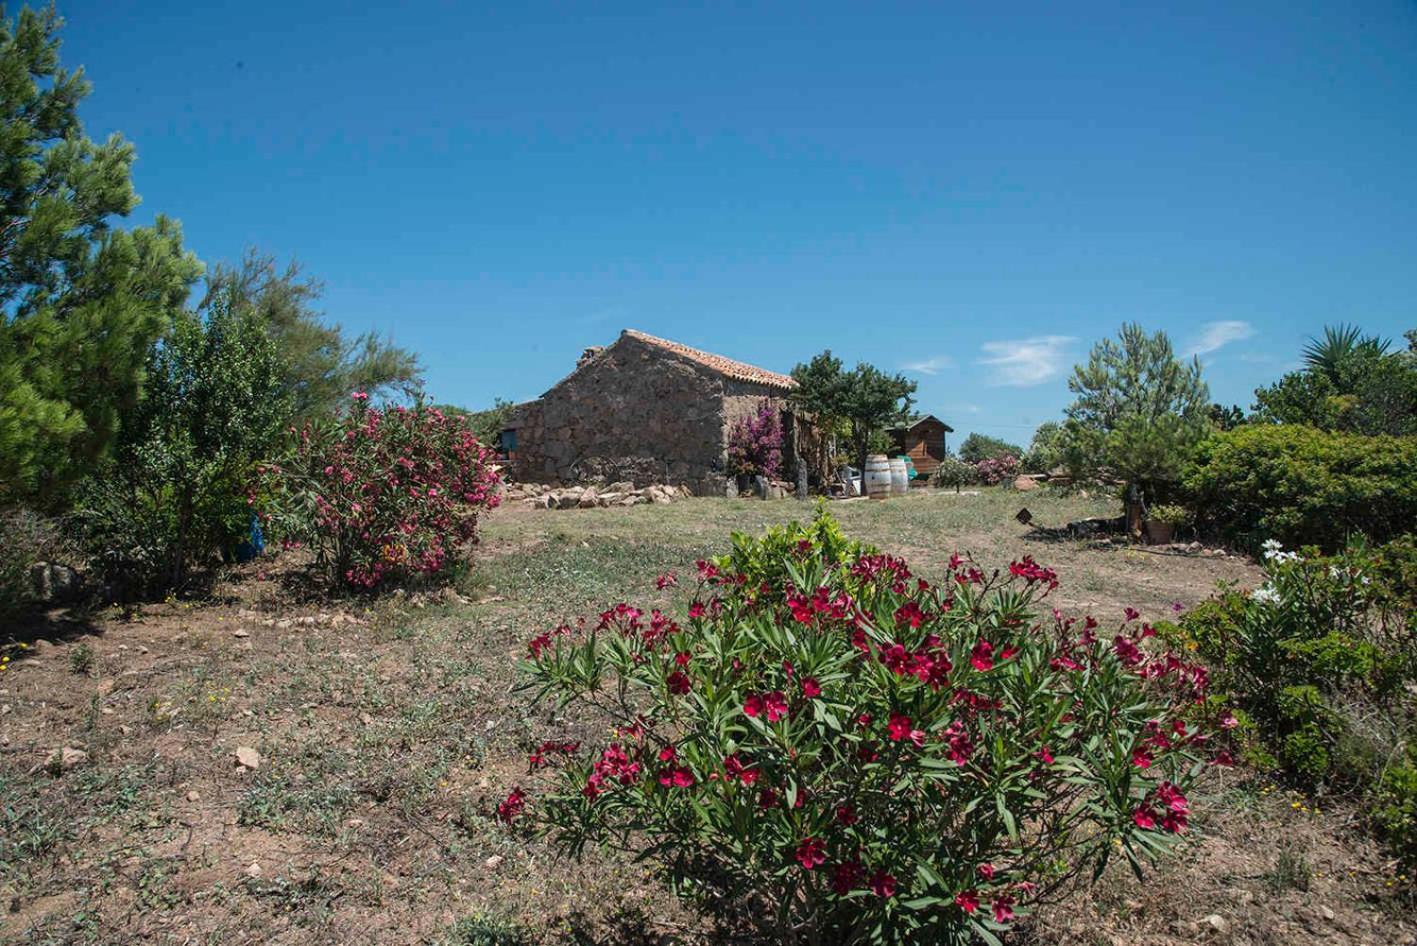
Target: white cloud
929, 365
1028, 361
1216, 335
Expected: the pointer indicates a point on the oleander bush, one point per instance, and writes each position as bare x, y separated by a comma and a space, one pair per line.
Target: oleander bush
848, 753
996, 470
1320, 664
1303, 486
383, 495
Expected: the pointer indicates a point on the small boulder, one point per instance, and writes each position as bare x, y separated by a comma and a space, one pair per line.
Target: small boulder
587, 499
53, 583
1216, 924
247, 758
64, 759
1025, 484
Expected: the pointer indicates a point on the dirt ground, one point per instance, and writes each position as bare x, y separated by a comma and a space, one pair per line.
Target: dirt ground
387, 728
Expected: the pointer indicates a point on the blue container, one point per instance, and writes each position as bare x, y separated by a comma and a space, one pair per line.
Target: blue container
254, 544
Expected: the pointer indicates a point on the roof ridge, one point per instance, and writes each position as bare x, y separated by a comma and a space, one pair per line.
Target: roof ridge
738, 370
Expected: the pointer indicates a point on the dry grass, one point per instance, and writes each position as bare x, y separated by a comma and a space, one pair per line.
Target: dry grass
388, 729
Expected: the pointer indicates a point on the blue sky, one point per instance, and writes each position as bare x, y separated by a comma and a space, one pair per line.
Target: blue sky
972, 193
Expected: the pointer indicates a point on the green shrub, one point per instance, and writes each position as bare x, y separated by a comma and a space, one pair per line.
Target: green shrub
1303, 486
1170, 513
177, 491
955, 472
1321, 672
850, 754
979, 446
485, 931
1394, 808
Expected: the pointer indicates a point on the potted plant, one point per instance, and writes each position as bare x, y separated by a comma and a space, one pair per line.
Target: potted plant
1163, 521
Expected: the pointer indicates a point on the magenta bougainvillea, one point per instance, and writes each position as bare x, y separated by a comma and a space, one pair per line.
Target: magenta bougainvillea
755, 443
384, 495
852, 753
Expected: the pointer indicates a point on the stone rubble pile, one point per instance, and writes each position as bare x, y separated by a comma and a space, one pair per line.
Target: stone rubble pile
624, 493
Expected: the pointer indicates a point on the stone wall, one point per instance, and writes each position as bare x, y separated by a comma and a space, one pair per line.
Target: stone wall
633, 412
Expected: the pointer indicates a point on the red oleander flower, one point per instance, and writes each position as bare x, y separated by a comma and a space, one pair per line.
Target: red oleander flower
1170, 796
1127, 651
511, 806
847, 815
846, 877
882, 884
753, 705
896, 658
678, 682
811, 853
677, 777
696, 610
667, 580
775, 705
967, 900
986, 871
1144, 818
982, 656
901, 728
811, 689
1141, 758
1003, 909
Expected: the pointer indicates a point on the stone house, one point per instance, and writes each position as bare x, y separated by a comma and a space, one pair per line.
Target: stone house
648, 410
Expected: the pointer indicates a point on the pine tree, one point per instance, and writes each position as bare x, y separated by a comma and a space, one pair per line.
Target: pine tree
1139, 411
324, 365
81, 303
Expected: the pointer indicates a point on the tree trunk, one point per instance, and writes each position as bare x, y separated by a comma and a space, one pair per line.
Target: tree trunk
1134, 511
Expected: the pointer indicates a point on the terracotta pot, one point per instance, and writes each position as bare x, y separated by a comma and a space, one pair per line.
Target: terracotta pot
1159, 533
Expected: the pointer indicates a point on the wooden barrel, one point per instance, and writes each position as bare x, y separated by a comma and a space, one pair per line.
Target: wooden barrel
878, 476
900, 477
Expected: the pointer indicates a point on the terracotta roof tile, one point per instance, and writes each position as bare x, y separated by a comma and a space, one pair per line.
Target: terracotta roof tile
738, 370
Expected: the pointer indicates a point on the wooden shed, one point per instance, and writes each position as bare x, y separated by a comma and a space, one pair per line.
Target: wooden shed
924, 442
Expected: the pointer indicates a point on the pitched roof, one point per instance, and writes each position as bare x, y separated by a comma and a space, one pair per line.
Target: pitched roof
738, 370
924, 420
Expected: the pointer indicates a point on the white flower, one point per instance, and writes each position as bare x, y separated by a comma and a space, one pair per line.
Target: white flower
1265, 594
1271, 547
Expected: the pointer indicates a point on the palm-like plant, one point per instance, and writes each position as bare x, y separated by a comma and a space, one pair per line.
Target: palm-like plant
1340, 345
